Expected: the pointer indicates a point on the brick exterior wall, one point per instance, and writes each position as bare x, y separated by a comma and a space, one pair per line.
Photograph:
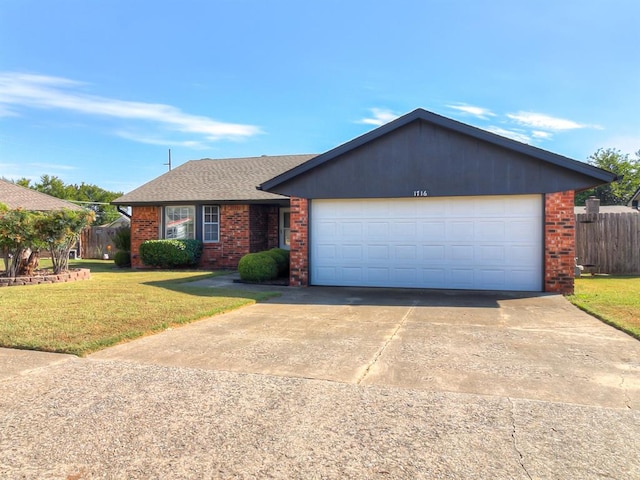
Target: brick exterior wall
299, 258
263, 229
243, 229
145, 225
234, 238
559, 242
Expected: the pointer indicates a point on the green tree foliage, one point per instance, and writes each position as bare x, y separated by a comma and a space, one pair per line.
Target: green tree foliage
619, 192
18, 235
60, 231
92, 196
23, 230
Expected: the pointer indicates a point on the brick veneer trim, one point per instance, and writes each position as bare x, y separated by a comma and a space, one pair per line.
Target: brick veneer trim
559, 242
299, 253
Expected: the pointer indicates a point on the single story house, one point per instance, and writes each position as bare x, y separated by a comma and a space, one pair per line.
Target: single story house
423, 201
17, 196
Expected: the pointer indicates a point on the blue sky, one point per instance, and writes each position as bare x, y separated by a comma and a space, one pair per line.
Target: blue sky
98, 91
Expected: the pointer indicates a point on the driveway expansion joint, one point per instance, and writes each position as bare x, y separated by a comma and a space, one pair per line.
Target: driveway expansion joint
386, 344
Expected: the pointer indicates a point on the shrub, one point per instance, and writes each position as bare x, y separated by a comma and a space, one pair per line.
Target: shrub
170, 253
121, 238
122, 259
281, 256
257, 267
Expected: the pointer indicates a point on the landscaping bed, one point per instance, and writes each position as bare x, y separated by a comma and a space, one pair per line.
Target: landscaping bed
46, 276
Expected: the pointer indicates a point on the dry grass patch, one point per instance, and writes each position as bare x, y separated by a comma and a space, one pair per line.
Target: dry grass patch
115, 305
614, 300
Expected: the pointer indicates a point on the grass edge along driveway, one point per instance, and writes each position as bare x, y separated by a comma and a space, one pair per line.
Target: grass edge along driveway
113, 306
613, 299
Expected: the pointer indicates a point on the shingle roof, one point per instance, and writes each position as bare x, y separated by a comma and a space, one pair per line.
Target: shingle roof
16, 196
208, 180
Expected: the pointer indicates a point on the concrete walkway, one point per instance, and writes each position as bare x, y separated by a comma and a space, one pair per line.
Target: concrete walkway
338, 383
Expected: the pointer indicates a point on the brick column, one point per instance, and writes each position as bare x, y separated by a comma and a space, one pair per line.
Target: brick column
145, 225
299, 253
559, 242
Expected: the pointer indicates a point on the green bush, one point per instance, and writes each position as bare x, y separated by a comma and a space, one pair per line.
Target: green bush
121, 238
281, 256
122, 259
170, 253
257, 267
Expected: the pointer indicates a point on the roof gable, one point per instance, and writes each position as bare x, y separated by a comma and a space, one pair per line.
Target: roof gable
209, 180
17, 196
422, 151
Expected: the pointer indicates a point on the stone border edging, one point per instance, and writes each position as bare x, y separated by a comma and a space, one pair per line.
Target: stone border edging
69, 276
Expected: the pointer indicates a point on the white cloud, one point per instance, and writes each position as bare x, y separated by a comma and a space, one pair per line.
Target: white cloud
518, 136
152, 140
47, 92
479, 112
546, 122
540, 134
380, 117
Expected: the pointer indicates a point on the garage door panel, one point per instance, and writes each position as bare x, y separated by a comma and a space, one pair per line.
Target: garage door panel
454, 242
433, 230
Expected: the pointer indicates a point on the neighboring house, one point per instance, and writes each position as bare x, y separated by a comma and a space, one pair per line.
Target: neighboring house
16, 196
423, 201
635, 199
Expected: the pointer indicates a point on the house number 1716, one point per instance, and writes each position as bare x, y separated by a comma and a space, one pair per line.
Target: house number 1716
420, 193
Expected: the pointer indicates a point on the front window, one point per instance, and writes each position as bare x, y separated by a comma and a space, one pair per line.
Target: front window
179, 222
210, 223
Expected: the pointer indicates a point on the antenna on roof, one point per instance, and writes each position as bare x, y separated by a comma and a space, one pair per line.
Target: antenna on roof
169, 162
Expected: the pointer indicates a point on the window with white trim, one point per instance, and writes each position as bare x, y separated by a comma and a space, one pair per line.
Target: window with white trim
210, 223
180, 222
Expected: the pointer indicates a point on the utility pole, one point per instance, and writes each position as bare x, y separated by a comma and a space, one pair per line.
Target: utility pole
169, 162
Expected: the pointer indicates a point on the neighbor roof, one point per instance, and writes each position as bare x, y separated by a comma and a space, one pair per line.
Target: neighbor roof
635, 197
16, 196
607, 209
214, 180
447, 123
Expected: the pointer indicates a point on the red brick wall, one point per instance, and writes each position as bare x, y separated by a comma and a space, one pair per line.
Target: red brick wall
145, 225
273, 236
263, 233
234, 238
299, 259
559, 242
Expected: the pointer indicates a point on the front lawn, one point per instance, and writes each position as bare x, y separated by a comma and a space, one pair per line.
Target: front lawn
615, 300
115, 305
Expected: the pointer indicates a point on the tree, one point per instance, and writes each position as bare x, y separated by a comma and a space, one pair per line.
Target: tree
20, 240
620, 191
91, 196
24, 233
60, 231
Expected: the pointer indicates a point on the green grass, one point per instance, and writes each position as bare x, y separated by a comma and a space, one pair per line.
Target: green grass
614, 300
114, 306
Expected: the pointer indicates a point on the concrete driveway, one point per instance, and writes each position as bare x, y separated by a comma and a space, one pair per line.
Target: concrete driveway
537, 347
338, 383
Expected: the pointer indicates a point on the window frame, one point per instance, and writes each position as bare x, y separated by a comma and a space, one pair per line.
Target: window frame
205, 223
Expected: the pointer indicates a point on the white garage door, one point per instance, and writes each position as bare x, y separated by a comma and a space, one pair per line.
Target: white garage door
484, 243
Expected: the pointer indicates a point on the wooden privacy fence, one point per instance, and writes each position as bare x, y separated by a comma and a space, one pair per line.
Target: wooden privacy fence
609, 241
96, 242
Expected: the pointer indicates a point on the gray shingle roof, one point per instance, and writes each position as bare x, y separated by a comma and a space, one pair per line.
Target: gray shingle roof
209, 180
16, 196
